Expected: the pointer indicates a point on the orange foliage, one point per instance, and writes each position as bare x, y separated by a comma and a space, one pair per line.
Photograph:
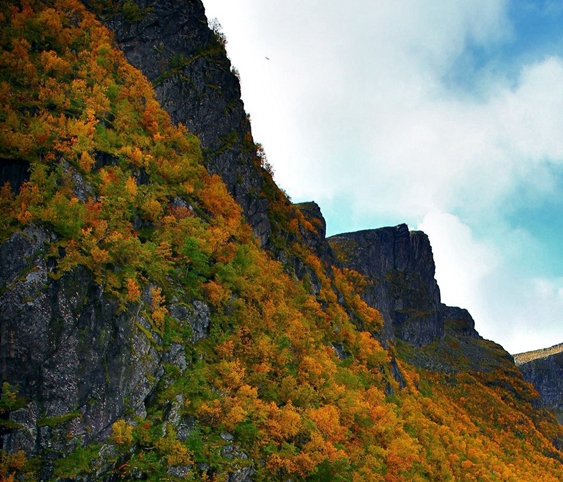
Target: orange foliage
159, 310
269, 371
133, 290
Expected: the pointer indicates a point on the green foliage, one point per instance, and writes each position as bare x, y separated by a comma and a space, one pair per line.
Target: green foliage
10, 400
133, 13
66, 215
55, 421
197, 266
77, 463
247, 433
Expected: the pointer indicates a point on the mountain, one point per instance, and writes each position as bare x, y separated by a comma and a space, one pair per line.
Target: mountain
544, 369
166, 313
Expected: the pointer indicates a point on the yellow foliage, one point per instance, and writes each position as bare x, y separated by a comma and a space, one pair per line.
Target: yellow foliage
234, 416
211, 412
11, 464
86, 161
231, 374
122, 432
216, 293
152, 209
219, 203
369, 350
225, 349
327, 420
133, 290
99, 256
174, 451
283, 423
52, 63
159, 311
51, 20
131, 186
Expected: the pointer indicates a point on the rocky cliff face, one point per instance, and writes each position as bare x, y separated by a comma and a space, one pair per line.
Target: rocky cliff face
400, 267
171, 43
71, 350
546, 374
460, 320
316, 238
544, 370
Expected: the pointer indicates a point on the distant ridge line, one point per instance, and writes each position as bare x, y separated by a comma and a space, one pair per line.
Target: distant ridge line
528, 356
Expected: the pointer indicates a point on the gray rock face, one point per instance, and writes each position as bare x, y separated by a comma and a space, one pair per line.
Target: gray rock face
314, 239
546, 374
313, 214
68, 349
186, 62
460, 320
197, 316
400, 266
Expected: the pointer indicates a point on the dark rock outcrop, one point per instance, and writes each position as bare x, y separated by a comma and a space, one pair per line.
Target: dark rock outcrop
59, 339
316, 238
400, 267
171, 43
15, 172
460, 321
544, 370
71, 351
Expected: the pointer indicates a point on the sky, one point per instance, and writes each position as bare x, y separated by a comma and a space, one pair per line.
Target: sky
447, 116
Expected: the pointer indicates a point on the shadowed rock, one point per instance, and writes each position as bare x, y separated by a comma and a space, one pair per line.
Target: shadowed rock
400, 267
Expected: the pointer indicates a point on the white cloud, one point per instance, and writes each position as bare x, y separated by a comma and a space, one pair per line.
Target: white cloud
344, 78
531, 114
352, 101
461, 261
522, 312
453, 155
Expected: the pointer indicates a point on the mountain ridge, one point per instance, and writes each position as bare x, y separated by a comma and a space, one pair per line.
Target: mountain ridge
147, 331
544, 369
528, 356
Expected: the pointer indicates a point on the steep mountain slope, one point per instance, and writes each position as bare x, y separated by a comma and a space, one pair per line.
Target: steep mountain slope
146, 334
171, 44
